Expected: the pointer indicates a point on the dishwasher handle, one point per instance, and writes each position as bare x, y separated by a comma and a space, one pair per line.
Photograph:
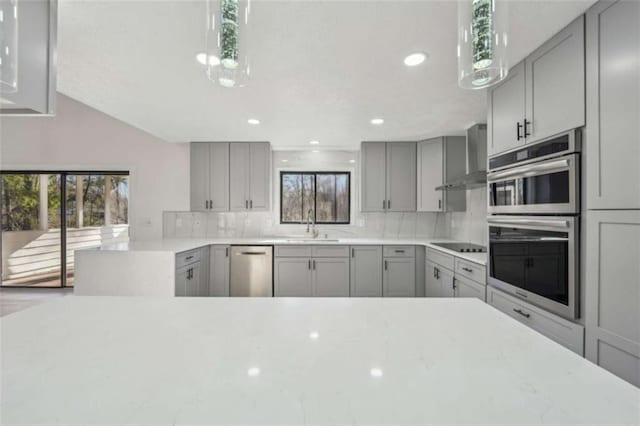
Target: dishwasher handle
253, 253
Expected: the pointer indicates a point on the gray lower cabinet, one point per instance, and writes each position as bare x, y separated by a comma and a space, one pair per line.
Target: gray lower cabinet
613, 105
388, 176
292, 277
307, 277
468, 288
219, 271
439, 281
399, 277
366, 271
330, 277
188, 281
564, 332
612, 295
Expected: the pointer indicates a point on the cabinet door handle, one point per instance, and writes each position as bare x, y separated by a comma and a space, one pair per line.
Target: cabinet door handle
526, 132
210, 204
384, 204
518, 127
439, 204
434, 272
388, 204
454, 283
464, 268
437, 273
309, 265
399, 251
386, 265
314, 265
206, 204
519, 311
188, 258
353, 252
226, 252
250, 204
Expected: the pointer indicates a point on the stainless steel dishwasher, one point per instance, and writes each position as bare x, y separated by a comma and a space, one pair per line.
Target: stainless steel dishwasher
251, 271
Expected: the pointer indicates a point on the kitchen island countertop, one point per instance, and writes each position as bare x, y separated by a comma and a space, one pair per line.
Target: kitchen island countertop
117, 360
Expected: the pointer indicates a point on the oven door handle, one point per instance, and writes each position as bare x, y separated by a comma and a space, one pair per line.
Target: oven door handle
531, 170
560, 224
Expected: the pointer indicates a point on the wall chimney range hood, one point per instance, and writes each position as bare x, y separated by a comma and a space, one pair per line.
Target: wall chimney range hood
476, 176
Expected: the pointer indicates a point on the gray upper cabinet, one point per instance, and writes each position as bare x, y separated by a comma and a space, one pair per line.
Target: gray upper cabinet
219, 271
374, 179
239, 176
401, 176
439, 161
330, 277
388, 176
555, 78
259, 175
399, 277
542, 96
210, 176
506, 111
250, 175
613, 105
613, 291
366, 271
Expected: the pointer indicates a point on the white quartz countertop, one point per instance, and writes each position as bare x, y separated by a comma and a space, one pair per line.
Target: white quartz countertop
108, 360
180, 245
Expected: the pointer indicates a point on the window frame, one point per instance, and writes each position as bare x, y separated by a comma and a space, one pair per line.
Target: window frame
315, 194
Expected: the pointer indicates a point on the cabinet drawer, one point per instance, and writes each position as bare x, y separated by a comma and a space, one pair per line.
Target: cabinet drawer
567, 333
329, 251
443, 259
470, 270
293, 251
187, 257
399, 251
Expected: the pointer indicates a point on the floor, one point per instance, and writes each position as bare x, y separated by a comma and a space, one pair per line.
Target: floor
17, 299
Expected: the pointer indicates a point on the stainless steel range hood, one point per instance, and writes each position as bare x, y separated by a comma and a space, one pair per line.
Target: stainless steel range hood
476, 175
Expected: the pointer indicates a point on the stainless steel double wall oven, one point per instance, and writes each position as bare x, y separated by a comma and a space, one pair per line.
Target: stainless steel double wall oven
534, 207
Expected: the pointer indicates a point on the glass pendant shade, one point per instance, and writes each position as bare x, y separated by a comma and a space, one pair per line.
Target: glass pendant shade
227, 40
8, 46
482, 42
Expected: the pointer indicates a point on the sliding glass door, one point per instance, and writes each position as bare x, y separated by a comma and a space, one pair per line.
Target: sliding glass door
47, 216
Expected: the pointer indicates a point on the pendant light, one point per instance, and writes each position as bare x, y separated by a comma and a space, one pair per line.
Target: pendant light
227, 40
8, 46
482, 43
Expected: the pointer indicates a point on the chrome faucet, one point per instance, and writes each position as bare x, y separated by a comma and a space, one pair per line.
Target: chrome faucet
311, 221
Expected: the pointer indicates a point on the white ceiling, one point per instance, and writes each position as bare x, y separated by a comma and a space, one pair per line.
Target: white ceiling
321, 69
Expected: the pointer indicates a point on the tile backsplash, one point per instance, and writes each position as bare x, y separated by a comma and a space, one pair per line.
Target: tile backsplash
463, 226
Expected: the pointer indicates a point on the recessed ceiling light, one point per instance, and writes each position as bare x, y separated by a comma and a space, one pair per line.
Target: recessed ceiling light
253, 371
202, 58
314, 335
352, 161
377, 121
415, 59
314, 142
375, 372
315, 150
253, 121
284, 160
